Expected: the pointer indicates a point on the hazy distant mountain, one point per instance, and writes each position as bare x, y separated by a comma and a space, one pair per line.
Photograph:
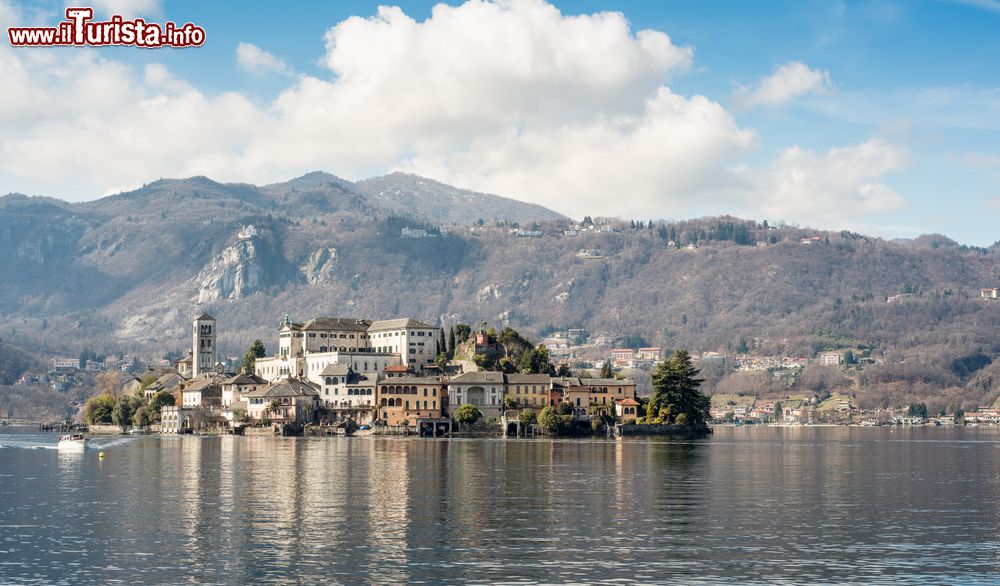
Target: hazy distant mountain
127, 272
445, 204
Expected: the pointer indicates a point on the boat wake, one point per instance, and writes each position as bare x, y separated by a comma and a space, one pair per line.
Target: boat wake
28, 445
101, 444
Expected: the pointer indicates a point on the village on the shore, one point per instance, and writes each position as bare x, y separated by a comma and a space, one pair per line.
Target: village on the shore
333, 376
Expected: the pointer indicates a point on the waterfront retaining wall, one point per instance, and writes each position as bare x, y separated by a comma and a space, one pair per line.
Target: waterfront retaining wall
652, 429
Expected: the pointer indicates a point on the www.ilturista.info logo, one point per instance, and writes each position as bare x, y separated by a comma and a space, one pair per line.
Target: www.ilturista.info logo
79, 30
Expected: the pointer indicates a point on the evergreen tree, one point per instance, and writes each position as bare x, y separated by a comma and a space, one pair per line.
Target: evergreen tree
255, 351
451, 342
606, 371
676, 392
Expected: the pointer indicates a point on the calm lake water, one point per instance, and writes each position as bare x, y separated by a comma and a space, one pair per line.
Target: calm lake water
768, 505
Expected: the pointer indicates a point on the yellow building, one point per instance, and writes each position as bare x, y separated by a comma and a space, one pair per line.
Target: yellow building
409, 399
529, 390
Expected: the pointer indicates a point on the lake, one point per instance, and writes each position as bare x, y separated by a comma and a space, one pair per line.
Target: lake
766, 505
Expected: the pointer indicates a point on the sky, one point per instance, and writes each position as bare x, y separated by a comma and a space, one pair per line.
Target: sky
881, 117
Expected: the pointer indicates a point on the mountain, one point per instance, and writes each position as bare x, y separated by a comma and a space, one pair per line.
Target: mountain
127, 272
443, 204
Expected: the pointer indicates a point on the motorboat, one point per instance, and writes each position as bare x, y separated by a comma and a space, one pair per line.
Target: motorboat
74, 442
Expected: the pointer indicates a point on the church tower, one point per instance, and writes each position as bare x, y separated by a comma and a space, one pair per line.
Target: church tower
203, 351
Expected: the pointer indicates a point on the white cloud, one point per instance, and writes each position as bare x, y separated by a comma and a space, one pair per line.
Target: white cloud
511, 97
254, 60
826, 189
789, 81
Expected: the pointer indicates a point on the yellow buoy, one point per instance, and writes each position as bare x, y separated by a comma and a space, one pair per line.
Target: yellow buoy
101, 455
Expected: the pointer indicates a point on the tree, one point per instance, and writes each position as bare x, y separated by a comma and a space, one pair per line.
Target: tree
467, 414
121, 414
676, 390
107, 383
550, 420
779, 413
509, 402
98, 410
451, 342
158, 402
141, 418
564, 370
606, 371
564, 409
462, 332
240, 415
255, 351
147, 380
537, 361
917, 410
527, 418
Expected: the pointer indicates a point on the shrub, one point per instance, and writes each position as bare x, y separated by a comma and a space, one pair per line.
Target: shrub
550, 420
467, 414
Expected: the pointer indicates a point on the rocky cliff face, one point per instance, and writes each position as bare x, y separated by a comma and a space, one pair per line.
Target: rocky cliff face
249, 265
234, 274
319, 268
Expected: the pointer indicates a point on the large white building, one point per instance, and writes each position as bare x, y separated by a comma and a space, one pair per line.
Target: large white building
305, 350
415, 342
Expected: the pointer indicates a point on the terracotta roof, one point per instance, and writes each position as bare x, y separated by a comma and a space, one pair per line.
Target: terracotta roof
285, 388
605, 382
336, 323
410, 380
530, 379
336, 369
629, 402
244, 379
479, 377
397, 368
397, 324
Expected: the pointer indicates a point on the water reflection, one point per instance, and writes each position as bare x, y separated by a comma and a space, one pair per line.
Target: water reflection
770, 505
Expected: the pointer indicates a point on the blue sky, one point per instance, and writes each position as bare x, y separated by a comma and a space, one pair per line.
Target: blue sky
882, 116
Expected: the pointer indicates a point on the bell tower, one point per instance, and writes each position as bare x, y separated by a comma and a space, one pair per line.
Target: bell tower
203, 349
